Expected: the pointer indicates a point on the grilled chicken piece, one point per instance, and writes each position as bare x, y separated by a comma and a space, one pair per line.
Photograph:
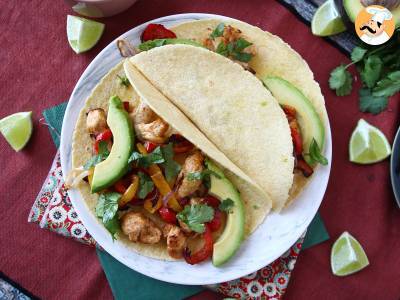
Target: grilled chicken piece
148, 125
176, 240
192, 164
140, 228
155, 131
96, 121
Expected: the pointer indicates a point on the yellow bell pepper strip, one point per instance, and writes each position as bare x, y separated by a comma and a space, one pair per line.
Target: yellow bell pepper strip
160, 182
148, 203
130, 192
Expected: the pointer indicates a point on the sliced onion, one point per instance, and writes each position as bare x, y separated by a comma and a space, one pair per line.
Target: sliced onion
75, 176
166, 198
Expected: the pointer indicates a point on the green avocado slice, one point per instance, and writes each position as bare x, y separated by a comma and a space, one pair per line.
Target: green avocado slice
115, 166
161, 42
309, 120
353, 8
233, 234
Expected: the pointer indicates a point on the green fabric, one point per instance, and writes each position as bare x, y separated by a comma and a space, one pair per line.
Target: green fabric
128, 284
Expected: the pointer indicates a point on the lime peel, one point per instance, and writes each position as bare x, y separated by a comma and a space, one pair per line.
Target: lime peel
327, 21
347, 256
17, 129
368, 144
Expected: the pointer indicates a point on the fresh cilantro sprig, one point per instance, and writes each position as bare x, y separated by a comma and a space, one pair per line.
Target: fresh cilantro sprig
98, 158
379, 73
218, 31
123, 80
227, 205
146, 185
171, 167
315, 156
145, 160
106, 210
235, 50
194, 216
201, 175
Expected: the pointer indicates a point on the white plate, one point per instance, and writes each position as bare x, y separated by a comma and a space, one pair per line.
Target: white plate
272, 238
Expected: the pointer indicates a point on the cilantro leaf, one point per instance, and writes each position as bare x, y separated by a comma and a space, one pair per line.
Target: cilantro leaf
234, 50
388, 86
315, 155
152, 44
340, 80
194, 216
372, 70
171, 167
124, 81
106, 210
146, 185
201, 175
358, 54
371, 103
226, 205
145, 160
241, 44
222, 49
102, 155
242, 56
218, 31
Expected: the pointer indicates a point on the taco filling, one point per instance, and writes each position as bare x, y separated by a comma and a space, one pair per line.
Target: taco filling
168, 191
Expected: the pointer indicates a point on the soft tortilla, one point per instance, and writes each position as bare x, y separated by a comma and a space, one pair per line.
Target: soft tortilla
273, 57
231, 107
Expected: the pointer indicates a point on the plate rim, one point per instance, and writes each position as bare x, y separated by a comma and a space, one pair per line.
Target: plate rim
106, 244
393, 164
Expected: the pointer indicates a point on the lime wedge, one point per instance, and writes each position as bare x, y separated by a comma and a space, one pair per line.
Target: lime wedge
347, 256
326, 20
17, 129
368, 144
82, 33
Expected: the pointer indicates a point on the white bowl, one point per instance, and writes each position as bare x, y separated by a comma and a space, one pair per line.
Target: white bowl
272, 238
99, 8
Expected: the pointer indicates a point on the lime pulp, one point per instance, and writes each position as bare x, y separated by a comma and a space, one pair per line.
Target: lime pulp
327, 21
17, 129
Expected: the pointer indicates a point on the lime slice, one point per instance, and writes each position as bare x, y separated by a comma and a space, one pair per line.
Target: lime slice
368, 144
347, 256
17, 129
326, 20
82, 33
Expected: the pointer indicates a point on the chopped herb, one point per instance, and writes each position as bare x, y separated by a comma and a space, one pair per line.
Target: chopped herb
124, 81
341, 80
171, 167
194, 216
222, 49
218, 31
102, 155
235, 50
201, 175
145, 160
152, 44
264, 103
371, 103
256, 206
146, 185
241, 44
227, 205
106, 210
314, 155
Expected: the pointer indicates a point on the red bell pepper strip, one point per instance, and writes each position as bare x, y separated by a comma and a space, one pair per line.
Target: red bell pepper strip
157, 31
119, 187
126, 106
296, 137
202, 254
168, 215
150, 146
304, 167
211, 201
215, 223
289, 111
104, 136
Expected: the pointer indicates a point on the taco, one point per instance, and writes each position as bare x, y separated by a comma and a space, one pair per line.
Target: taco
184, 75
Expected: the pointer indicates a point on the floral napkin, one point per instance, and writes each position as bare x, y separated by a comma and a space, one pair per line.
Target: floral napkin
53, 210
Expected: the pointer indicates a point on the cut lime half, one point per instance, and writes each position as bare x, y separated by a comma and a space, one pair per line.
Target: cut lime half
327, 21
347, 256
17, 129
82, 33
368, 144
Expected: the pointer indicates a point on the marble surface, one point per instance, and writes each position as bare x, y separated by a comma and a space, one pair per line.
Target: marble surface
273, 237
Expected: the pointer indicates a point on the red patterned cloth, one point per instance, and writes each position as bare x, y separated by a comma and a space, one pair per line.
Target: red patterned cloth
53, 210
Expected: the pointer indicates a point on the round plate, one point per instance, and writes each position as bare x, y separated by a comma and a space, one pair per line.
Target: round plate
395, 167
272, 238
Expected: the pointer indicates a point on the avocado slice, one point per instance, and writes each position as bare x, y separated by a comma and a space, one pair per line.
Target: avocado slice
162, 42
115, 166
309, 121
353, 8
233, 234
